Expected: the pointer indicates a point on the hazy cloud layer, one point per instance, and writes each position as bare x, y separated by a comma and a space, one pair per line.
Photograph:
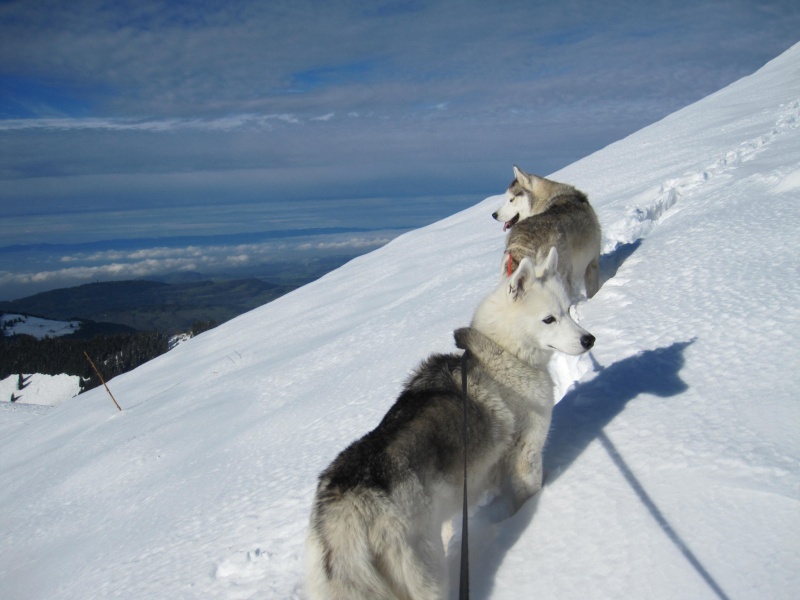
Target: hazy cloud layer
50, 269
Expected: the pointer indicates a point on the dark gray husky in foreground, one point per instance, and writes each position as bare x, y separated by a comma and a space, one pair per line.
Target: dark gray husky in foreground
376, 522
541, 214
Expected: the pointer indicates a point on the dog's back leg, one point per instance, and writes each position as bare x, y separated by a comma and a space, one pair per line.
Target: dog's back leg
592, 277
412, 562
341, 556
361, 548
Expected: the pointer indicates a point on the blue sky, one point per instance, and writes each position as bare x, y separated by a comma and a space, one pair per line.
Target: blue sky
157, 119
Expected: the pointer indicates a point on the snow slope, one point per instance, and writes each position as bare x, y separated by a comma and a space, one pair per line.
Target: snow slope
673, 466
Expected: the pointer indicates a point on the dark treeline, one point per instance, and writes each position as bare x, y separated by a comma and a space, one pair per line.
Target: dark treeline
113, 355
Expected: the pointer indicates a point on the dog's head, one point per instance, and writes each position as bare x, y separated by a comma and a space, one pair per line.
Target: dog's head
529, 313
519, 200
526, 196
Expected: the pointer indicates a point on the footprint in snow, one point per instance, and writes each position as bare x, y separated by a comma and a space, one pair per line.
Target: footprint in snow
244, 566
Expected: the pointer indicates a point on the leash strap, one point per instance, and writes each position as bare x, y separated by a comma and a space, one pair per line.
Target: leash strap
510, 263
463, 590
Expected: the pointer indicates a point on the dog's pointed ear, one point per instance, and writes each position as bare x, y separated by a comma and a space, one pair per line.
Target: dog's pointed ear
521, 279
549, 266
528, 181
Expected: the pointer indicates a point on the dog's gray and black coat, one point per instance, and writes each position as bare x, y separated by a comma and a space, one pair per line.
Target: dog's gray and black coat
387, 486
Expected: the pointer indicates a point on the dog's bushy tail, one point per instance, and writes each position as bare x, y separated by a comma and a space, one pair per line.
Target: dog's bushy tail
358, 549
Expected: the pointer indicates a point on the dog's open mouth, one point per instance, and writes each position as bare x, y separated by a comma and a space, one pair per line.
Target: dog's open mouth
511, 223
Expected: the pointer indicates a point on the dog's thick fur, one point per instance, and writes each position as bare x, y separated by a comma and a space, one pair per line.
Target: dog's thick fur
541, 214
375, 528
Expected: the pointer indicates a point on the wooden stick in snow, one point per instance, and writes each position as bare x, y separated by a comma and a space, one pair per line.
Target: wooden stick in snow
102, 380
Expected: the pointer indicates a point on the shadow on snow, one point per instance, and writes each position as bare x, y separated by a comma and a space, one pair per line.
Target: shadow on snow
583, 412
579, 419
612, 261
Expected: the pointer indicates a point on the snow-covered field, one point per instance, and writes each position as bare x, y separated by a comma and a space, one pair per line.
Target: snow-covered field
37, 394
47, 390
673, 466
39, 328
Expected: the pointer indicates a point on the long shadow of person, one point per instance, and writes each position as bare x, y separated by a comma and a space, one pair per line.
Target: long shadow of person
578, 419
589, 406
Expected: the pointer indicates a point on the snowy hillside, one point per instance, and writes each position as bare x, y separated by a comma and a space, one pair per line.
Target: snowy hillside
673, 466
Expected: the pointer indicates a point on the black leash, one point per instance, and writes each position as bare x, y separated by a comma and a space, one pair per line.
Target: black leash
463, 591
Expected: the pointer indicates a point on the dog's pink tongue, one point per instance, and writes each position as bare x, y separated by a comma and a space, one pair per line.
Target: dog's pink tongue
506, 225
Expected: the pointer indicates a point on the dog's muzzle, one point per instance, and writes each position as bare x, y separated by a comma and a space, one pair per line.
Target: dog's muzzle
508, 224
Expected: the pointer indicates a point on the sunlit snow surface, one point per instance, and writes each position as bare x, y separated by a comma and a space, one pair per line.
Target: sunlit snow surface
673, 466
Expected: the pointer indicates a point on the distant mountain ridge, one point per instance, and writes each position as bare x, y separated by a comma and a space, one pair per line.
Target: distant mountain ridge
151, 305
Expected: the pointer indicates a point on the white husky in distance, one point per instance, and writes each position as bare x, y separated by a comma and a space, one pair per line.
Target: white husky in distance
376, 521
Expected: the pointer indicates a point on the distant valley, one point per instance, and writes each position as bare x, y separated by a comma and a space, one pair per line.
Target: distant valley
45, 338
122, 324
164, 306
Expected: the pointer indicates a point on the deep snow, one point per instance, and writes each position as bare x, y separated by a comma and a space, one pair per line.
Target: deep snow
673, 465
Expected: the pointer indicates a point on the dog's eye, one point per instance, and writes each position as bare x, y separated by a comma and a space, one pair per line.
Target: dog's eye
549, 320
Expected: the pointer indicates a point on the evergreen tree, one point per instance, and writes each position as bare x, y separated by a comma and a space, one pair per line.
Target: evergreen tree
113, 355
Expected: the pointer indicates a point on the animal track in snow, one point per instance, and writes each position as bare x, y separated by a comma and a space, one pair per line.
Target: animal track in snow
246, 574
242, 565
642, 218
654, 205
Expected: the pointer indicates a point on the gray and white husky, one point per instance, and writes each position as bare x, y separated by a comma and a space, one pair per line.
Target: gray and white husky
376, 521
541, 214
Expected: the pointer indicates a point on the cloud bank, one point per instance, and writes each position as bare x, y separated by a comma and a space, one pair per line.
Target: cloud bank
236, 260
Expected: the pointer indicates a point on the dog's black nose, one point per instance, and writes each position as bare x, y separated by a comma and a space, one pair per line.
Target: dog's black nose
587, 341
494, 216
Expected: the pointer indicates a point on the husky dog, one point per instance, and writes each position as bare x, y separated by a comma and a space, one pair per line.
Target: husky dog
541, 214
376, 521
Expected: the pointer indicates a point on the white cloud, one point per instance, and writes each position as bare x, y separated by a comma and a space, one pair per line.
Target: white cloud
353, 243
222, 124
118, 264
